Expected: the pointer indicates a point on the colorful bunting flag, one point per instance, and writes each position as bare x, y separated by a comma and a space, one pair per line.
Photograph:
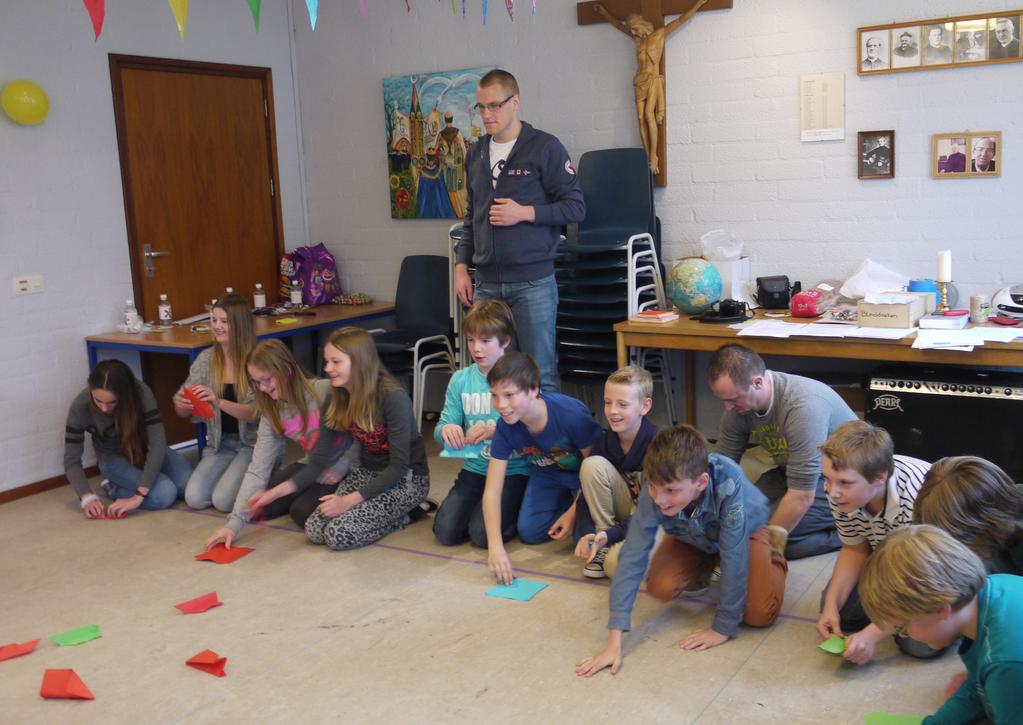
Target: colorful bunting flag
486, 6
96, 12
408, 6
254, 7
312, 5
362, 8
510, 5
180, 9
533, 12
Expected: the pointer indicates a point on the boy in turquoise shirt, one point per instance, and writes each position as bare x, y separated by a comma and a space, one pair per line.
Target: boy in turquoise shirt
469, 419
928, 586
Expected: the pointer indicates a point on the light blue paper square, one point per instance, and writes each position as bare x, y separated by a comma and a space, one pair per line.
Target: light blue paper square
521, 590
468, 451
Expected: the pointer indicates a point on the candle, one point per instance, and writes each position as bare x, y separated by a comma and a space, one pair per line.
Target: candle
945, 266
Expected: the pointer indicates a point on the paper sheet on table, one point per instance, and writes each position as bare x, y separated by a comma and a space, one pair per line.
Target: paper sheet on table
823, 329
772, 328
879, 333
199, 604
891, 718
76, 636
946, 340
220, 554
12, 650
521, 590
209, 661
996, 334
64, 685
467, 451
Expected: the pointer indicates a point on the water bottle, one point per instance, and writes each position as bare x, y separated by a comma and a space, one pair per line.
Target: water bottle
131, 315
296, 292
259, 297
163, 311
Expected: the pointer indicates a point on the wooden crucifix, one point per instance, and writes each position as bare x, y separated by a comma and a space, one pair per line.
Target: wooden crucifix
643, 21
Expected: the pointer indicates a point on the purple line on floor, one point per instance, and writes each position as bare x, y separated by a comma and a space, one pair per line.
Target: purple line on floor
473, 562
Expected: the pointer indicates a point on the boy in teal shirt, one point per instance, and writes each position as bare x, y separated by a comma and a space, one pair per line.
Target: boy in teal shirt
468, 421
928, 586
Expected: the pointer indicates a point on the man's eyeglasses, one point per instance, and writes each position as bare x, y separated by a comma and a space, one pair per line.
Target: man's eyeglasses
492, 107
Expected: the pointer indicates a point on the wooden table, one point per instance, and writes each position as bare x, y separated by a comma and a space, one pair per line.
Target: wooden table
182, 341
691, 336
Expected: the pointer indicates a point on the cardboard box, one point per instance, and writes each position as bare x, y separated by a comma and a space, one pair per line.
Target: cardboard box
900, 315
930, 301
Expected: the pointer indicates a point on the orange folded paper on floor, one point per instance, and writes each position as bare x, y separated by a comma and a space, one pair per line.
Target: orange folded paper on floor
12, 650
199, 604
200, 407
209, 661
64, 685
220, 554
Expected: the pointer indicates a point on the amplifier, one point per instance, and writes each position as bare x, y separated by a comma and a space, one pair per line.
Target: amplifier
933, 413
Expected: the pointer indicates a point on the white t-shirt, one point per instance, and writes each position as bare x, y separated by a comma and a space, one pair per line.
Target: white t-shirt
499, 152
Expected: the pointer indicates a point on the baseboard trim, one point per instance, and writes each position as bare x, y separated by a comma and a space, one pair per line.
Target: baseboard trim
30, 489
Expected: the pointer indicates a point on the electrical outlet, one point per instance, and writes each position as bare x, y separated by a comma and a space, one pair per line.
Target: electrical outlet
28, 284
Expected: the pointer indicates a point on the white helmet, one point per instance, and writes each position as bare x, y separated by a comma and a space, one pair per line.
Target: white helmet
1008, 302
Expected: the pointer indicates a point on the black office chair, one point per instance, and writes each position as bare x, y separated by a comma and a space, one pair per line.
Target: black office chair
421, 340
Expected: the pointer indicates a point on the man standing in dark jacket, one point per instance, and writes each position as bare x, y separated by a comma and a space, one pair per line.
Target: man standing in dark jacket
522, 188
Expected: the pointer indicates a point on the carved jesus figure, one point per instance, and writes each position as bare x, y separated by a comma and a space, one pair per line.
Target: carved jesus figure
648, 83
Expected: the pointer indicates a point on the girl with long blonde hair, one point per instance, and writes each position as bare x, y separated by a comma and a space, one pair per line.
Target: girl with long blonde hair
364, 404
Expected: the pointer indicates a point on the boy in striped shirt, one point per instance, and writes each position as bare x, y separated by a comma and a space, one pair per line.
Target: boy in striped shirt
871, 492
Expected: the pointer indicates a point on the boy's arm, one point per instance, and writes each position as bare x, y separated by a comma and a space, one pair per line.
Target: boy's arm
497, 557
1003, 691
846, 574
452, 412
964, 705
632, 565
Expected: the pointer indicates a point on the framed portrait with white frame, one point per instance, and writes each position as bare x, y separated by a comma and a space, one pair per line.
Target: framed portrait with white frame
966, 154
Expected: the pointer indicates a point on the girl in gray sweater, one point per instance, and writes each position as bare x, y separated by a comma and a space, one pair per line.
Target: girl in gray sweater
218, 377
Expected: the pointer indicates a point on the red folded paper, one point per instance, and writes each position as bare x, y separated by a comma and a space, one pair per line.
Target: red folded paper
64, 685
209, 661
200, 407
12, 650
220, 554
199, 604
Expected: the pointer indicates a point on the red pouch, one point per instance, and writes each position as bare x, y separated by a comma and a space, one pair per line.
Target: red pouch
200, 407
813, 302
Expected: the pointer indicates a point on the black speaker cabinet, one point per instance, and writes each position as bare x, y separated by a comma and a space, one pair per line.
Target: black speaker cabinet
932, 413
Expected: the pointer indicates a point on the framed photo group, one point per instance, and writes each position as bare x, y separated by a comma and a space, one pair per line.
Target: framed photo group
964, 154
940, 43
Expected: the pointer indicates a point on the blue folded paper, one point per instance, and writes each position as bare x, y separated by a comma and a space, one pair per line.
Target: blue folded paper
468, 451
521, 590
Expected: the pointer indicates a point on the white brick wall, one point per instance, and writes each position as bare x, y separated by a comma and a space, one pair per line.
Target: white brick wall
61, 208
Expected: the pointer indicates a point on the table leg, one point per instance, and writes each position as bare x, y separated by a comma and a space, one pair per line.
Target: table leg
690, 363
623, 352
93, 354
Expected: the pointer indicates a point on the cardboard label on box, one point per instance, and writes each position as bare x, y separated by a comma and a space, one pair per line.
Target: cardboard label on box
899, 314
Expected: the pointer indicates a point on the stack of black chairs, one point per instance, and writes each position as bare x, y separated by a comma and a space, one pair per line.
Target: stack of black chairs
592, 267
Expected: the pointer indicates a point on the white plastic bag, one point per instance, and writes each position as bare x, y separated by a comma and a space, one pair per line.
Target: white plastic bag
872, 278
721, 245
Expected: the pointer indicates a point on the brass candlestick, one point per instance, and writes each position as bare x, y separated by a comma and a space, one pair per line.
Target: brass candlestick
943, 290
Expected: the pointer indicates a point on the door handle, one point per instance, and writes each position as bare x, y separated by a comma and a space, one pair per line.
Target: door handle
150, 255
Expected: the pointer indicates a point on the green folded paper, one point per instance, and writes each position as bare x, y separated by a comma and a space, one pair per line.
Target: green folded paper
834, 644
76, 636
891, 718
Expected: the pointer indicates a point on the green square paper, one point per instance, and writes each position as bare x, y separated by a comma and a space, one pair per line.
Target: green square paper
76, 636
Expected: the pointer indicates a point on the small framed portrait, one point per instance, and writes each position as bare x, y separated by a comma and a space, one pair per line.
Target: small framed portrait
875, 50
906, 47
966, 154
1003, 37
971, 41
937, 44
876, 154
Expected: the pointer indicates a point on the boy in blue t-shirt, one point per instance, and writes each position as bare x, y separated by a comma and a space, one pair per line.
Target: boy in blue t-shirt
552, 433
925, 584
469, 419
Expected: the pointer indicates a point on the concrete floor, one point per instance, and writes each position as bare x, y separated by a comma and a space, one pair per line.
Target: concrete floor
397, 632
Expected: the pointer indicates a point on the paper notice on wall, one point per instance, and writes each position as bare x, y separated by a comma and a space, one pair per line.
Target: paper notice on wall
822, 107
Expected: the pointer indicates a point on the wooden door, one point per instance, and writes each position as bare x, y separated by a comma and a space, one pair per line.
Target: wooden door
199, 175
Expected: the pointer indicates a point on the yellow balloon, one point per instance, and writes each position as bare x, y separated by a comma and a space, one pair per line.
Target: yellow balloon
25, 102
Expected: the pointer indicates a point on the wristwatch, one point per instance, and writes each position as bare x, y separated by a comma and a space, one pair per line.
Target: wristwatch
139, 492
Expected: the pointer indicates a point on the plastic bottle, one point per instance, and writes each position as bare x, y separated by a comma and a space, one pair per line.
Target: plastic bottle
259, 296
296, 292
131, 315
163, 311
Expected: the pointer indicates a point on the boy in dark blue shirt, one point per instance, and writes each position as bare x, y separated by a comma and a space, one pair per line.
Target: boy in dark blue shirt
553, 433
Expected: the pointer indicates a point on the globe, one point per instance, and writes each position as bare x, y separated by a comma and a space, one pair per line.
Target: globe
694, 285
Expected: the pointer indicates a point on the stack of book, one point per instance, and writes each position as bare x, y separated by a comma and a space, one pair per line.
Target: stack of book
655, 316
938, 321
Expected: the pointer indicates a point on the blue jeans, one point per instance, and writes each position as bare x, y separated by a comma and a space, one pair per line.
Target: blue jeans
535, 308
219, 474
548, 495
168, 487
460, 516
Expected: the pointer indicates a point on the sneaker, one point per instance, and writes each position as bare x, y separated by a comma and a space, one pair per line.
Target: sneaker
697, 587
595, 569
777, 537
107, 487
